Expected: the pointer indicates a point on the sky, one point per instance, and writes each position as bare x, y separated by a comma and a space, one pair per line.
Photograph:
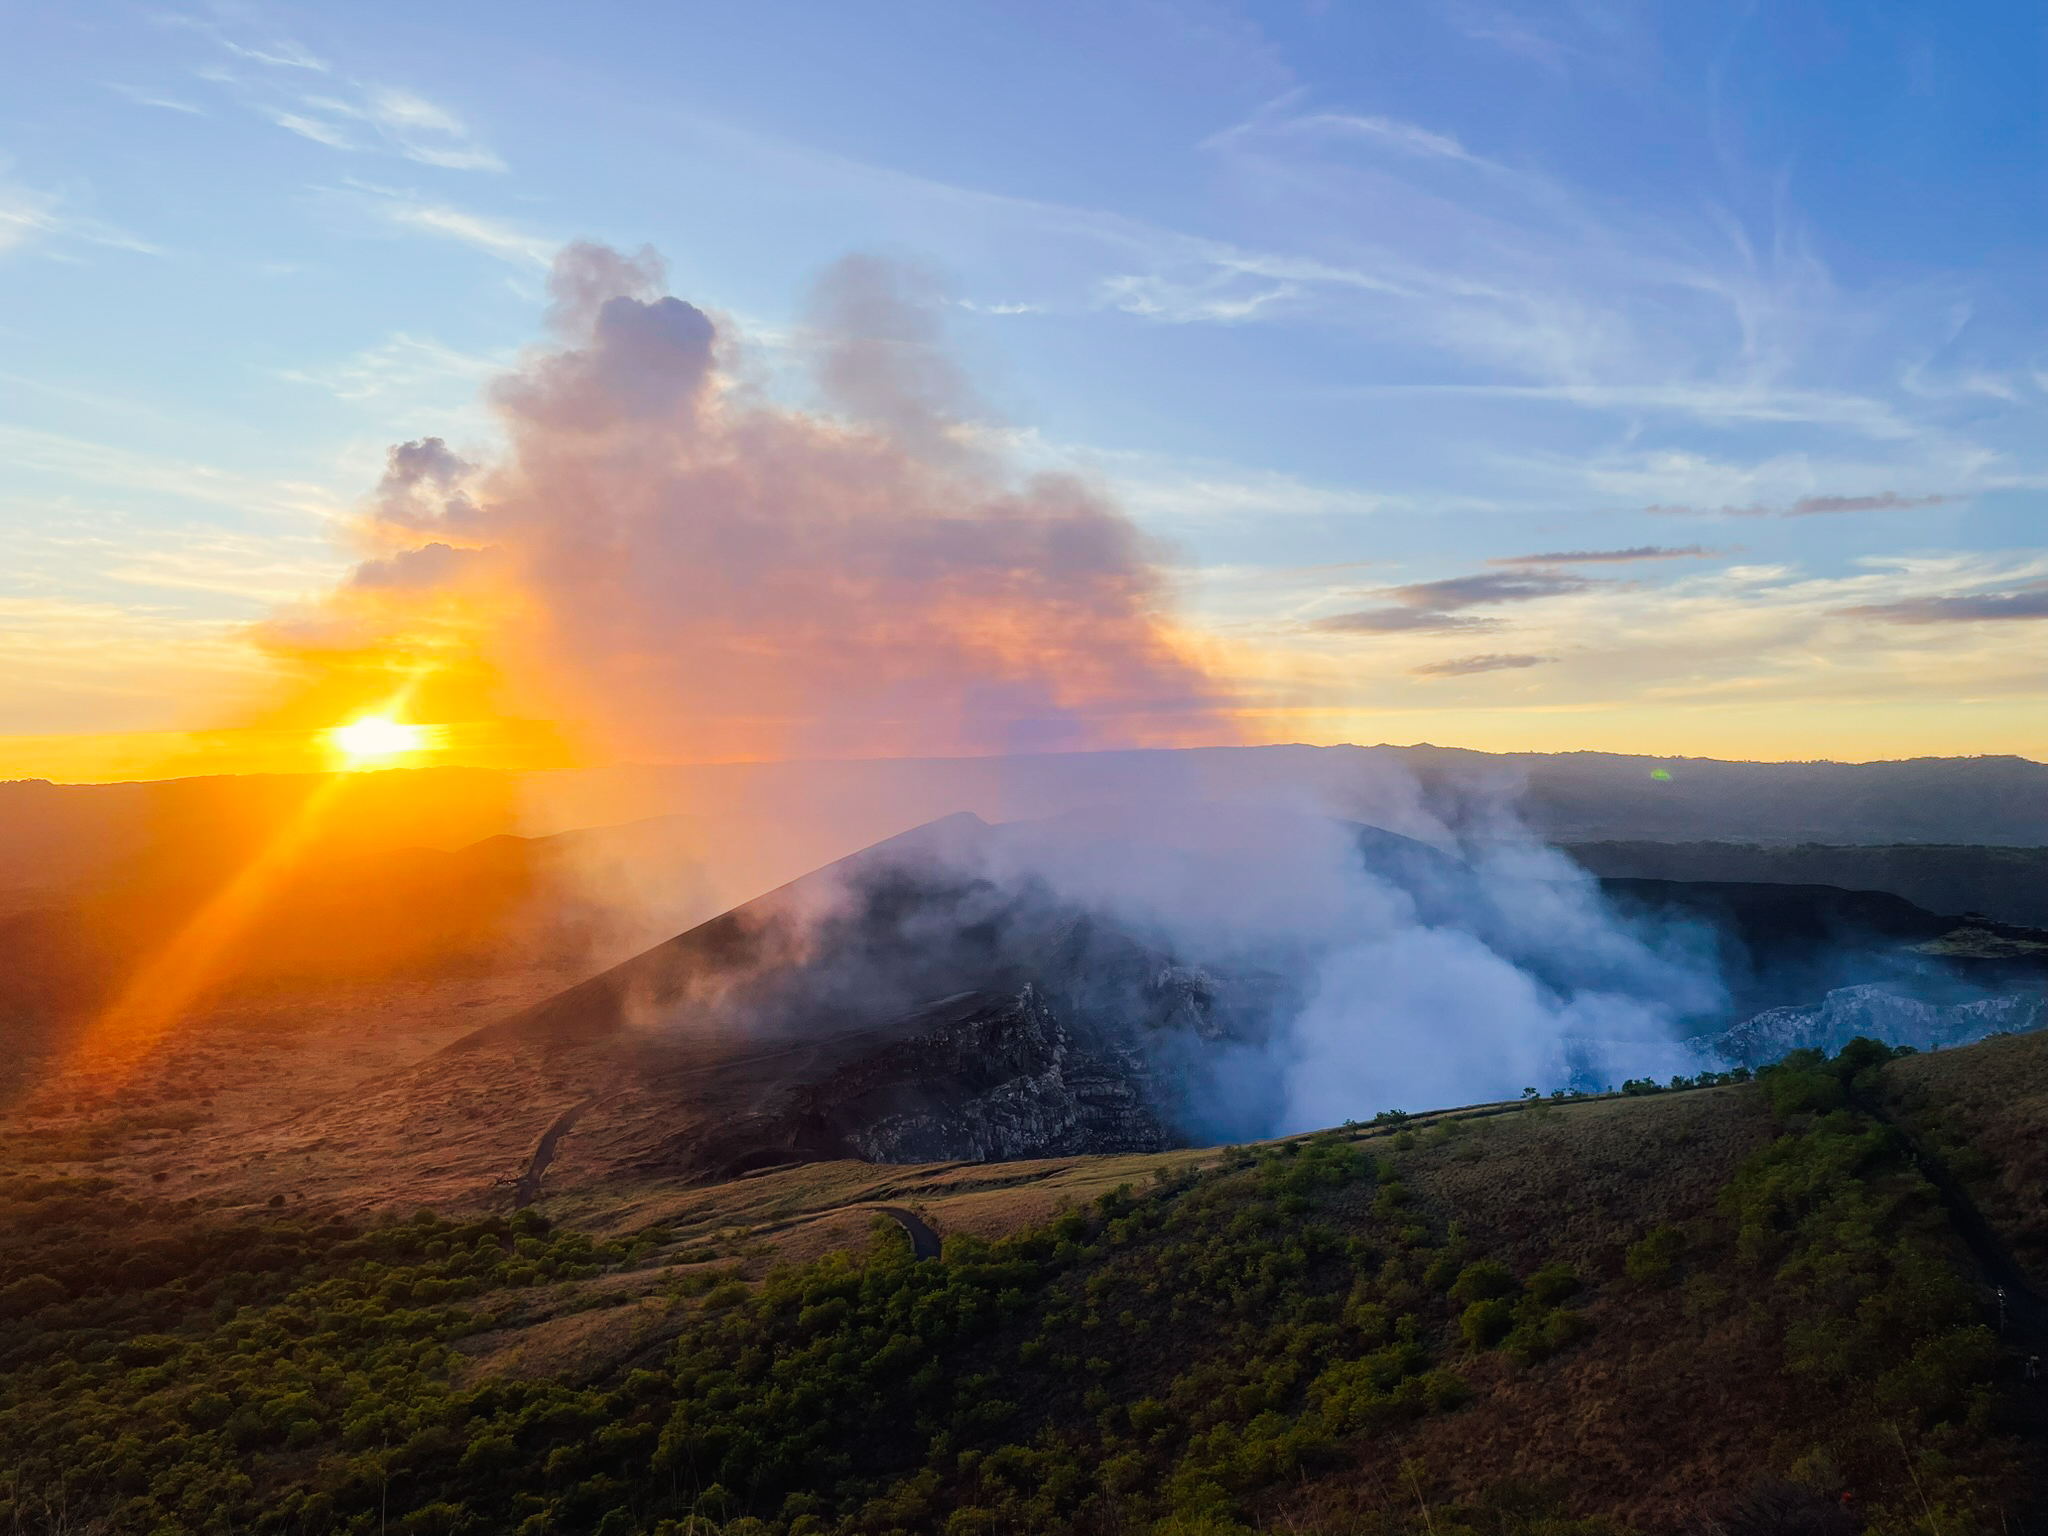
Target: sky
1637, 377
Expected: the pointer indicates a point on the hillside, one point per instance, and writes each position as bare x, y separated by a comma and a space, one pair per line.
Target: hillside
1747, 1303
2009, 884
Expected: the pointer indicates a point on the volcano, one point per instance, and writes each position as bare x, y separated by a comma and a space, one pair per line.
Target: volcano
895, 1006
936, 998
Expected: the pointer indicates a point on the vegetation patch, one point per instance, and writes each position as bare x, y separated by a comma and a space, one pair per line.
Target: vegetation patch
1185, 1357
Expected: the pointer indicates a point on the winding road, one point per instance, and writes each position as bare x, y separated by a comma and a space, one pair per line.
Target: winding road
924, 1242
526, 1189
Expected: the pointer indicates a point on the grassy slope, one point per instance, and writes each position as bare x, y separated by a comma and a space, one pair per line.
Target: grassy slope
1984, 1113
1282, 1338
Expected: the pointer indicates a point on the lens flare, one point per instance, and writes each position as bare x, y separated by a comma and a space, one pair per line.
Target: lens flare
376, 739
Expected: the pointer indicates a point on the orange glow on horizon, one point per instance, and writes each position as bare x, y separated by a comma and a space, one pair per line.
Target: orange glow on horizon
133, 756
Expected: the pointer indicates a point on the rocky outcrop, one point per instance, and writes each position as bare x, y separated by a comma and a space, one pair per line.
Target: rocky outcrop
986, 1078
1874, 1012
976, 1077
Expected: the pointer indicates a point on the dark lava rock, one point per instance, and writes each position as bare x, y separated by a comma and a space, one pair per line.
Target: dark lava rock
977, 1077
987, 1078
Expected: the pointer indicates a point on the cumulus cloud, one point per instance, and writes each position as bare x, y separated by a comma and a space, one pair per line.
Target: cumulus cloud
1467, 666
694, 570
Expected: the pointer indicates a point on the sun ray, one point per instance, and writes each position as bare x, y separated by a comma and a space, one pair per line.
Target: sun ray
179, 974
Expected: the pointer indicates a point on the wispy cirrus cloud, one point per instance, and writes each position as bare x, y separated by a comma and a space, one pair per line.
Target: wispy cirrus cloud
1612, 556
1883, 501
2017, 603
280, 55
1400, 621
148, 98
1505, 30
413, 127
319, 131
1438, 606
1389, 132
1471, 666
344, 113
1473, 591
396, 367
1807, 506
406, 210
28, 215
81, 461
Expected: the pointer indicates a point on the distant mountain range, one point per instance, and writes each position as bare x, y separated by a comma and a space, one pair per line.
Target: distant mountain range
796, 816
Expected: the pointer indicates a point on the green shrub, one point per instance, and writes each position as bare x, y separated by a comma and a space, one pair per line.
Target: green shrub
1552, 1283
1483, 1281
1654, 1259
29, 1294
1484, 1324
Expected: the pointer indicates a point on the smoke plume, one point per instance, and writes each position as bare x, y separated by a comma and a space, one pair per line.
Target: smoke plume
687, 568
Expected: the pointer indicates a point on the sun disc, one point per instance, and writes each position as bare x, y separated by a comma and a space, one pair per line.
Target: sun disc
374, 738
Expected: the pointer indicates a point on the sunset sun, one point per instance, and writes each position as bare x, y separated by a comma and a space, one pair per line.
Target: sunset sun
375, 739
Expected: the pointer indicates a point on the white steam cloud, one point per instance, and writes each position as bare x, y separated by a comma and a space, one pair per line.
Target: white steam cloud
1455, 962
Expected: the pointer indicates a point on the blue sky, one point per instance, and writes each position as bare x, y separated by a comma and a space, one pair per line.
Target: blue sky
1356, 306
